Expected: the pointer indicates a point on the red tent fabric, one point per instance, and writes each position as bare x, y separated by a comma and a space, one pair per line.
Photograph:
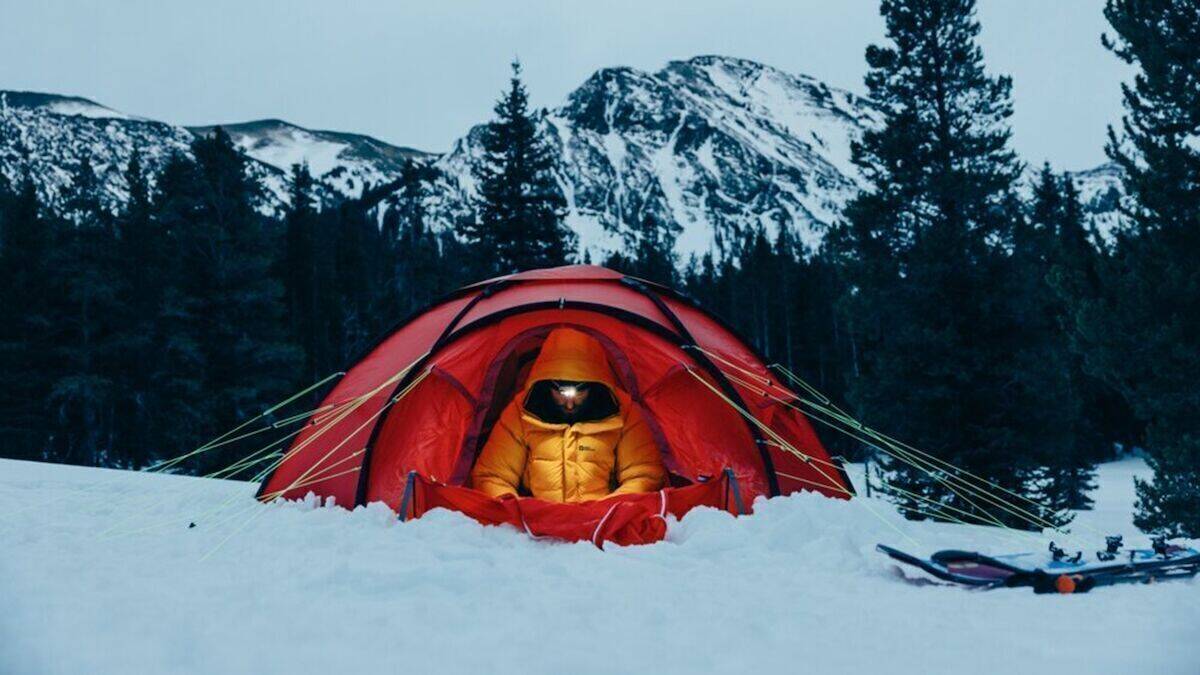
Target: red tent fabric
424, 397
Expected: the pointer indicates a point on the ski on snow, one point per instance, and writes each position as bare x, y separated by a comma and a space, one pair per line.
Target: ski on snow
1055, 571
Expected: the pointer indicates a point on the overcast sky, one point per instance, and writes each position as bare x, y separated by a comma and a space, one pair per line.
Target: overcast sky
421, 73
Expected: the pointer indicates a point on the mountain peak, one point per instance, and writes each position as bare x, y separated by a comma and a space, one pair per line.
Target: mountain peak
716, 60
711, 147
269, 124
59, 104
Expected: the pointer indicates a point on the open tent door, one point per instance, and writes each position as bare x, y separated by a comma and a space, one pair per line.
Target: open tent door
508, 374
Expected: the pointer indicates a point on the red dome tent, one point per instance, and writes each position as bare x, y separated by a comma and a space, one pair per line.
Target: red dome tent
406, 422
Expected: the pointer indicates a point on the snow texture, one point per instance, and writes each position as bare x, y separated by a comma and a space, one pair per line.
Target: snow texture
100, 573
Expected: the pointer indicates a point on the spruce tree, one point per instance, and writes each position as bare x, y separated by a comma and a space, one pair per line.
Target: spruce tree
649, 252
1049, 247
299, 271
143, 260
85, 389
363, 260
1142, 331
924, 252
519, 224
223, 314
26, 299
419, 273
757, 270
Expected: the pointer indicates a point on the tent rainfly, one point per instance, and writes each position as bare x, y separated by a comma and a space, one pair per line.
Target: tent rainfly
406, 422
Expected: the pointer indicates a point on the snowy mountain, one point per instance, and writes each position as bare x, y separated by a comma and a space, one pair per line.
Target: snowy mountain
712, 145
50, 134
716, 145
1100, 192
345, 162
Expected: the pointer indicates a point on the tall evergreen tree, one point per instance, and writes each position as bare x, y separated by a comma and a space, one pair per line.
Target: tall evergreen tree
649, 252
419, 273
143, 260
363, 261
924, 251
1142, 331
26, 298
1048, 248
224, 314
519, 224
301, 282
84, 393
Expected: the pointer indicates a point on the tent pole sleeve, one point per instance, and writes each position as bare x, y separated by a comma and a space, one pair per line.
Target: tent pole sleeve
409, 486
737, 491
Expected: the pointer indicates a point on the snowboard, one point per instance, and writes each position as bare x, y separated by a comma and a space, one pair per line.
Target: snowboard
1055, 570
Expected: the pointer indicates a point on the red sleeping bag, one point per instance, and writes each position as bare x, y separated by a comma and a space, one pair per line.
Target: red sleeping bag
625, 520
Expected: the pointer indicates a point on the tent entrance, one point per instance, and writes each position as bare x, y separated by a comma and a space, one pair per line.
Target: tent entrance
506, 376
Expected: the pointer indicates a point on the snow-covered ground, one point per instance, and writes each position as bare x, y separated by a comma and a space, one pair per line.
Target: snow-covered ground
100, 573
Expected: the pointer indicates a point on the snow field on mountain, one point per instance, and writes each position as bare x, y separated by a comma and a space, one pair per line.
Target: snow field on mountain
715, 145
285, 147
100, 573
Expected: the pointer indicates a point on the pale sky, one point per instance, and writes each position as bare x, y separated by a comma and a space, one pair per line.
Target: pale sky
421, 73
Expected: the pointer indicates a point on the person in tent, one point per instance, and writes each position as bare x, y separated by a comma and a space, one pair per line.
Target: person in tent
571, 435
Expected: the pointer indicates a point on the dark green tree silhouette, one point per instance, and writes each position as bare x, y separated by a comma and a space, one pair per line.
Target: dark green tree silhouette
924, 253
519, 224
1142, 332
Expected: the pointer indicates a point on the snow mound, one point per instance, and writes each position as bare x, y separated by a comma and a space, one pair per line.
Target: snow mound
101, 573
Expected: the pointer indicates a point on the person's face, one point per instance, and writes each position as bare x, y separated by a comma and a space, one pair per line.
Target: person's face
569, 396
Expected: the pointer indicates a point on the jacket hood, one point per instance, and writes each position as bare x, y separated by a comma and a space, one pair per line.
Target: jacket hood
571, 355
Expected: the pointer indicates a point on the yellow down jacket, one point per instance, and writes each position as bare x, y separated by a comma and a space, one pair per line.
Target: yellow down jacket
569, 462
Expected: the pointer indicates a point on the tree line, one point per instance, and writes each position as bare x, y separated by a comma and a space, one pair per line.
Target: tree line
997, 332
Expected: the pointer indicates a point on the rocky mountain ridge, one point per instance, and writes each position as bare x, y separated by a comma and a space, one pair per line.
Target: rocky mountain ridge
707, 148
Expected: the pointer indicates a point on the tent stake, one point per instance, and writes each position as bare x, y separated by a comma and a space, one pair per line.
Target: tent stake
409, 484
737, 491
867, 474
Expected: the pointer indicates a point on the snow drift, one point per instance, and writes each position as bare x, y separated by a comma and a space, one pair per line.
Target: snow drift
100, 572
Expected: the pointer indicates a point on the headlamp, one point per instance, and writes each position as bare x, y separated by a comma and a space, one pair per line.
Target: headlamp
568, 390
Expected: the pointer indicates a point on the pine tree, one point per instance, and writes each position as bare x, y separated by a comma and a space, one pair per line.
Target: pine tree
419, 273
223, 314
1142, 331
142, 257
84, 393
26, 296
519, 224
1079, 255
306, 326
924, 252
650, 252
757, 270
363, 263
1050, 246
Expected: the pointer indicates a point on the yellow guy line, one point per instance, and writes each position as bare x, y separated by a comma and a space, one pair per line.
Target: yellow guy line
832, 483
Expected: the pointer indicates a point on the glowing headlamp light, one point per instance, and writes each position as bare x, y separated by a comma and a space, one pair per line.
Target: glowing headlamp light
568, 391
